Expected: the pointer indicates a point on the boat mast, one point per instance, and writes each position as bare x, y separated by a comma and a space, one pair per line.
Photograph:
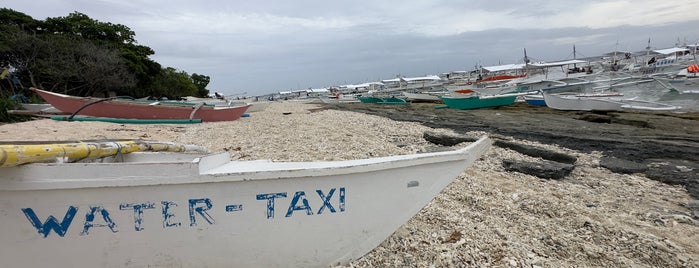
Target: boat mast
526, 62
574, 58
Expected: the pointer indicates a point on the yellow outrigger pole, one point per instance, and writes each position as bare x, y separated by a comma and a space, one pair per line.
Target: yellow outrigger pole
18, 154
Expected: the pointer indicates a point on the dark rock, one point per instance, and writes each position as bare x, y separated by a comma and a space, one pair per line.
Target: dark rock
543, 169
675, 172
694, 207
446, 140
536, 152
622, 166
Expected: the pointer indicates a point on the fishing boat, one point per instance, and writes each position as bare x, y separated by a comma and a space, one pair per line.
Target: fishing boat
535, 100
144, 204
685, 81
378, 100
570, 101
471, 100
140, 109
424, 96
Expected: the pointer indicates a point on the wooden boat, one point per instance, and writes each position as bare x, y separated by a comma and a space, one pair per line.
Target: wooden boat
377, 100
535, 100
369, 99
424, 96
162, 209
601, 102
476, 101
140, 109
124, 120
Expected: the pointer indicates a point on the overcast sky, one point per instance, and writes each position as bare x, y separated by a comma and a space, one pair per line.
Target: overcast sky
259, 47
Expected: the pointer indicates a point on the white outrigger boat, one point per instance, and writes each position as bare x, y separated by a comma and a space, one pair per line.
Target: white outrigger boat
162, 209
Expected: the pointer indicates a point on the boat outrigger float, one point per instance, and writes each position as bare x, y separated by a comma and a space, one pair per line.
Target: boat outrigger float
36, 152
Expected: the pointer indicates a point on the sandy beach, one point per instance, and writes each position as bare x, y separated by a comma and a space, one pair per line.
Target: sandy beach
486, 217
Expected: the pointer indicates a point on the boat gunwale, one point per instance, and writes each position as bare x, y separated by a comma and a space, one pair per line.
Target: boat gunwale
216, 168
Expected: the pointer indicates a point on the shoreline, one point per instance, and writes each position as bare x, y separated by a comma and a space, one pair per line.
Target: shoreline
486, 217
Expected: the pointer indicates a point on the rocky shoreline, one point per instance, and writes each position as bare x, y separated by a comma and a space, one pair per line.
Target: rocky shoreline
661, 145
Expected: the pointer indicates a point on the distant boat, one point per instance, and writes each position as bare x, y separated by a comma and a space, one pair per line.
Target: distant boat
140, 109
601, 102
476, 101
424, 96
130, 207
535, 100
377, 100
685, 81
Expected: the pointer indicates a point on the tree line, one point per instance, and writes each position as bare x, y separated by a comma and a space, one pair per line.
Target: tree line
81, 56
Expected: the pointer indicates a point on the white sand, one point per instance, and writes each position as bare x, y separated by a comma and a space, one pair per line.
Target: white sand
487, 217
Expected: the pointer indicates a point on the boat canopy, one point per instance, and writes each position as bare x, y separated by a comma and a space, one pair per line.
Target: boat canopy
506, 67
556, 63
317, 90
672, 50
617, 52
364, 85
412, 79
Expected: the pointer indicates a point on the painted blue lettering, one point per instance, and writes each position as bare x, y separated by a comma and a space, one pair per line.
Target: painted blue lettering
201, 210
137, 212
232, 208
51, 223
90, 218
300, 195
270, 202
342, 199
167, 216
326, 201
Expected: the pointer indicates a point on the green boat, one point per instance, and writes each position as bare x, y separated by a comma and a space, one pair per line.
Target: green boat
391, 100
477, 102
369, 99
126, 120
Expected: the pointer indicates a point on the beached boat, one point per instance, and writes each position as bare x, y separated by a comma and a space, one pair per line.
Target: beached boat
192, 209
377, 100
140, 109
472, 100
535, 100
424, 96
571, 101
685, 81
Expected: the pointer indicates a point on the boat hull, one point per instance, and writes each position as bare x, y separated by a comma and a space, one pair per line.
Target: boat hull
364, 99
140, 109
475, 102
535, 100
578, 103
193, 211
422, 97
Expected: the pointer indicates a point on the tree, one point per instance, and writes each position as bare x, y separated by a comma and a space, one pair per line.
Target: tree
172, 83
117, 36
81, 56
82, 68
201, 81
9, 17
78, 24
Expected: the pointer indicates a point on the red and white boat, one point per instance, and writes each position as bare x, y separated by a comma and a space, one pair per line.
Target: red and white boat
140, 109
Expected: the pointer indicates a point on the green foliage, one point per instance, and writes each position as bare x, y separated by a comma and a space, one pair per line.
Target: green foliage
81, 56
18, 19
80, 25
201, 81
8, 104
172, 83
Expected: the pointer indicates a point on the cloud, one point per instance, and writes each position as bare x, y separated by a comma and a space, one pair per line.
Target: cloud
267, 46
